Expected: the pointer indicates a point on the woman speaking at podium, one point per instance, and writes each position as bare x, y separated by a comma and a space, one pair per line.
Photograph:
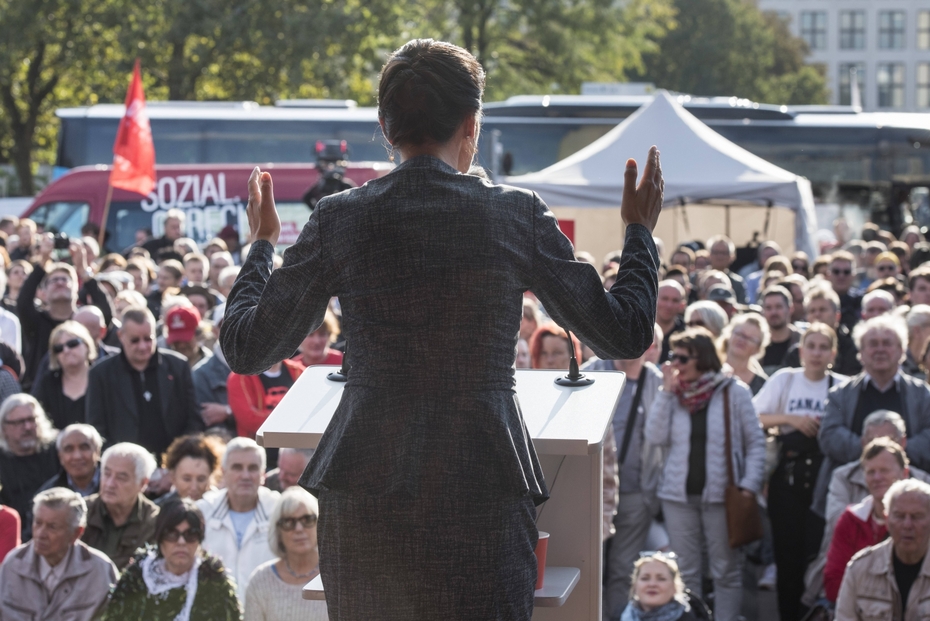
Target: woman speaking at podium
426, 476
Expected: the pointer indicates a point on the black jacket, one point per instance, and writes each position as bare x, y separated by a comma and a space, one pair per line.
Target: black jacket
112, 406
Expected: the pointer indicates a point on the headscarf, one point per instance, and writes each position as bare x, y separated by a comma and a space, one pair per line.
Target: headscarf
158, 580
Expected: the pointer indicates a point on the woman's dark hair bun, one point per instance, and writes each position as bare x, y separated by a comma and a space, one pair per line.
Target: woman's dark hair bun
427, 89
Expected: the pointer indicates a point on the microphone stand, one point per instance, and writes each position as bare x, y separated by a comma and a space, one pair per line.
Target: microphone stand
574, 378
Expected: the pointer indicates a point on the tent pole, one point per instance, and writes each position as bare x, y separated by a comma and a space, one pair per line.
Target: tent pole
727, 212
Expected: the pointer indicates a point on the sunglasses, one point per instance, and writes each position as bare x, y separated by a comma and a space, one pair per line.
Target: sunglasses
191, 535
71, 344
836, 272
288, 524
679, 358
658, 554
135, 340
885, 268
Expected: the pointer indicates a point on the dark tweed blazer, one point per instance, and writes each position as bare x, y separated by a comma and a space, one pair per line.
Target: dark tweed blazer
430, 267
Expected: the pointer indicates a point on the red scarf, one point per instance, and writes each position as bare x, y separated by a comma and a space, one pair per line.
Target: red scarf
695, 395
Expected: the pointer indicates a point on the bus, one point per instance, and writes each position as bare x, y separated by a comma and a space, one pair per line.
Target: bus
212, 196
872, 159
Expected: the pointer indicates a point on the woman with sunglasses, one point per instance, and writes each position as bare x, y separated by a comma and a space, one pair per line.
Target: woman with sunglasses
742, 344
61, 391
175, 580
688, 416
274, 591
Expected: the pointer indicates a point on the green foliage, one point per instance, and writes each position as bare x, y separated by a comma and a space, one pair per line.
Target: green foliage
57, 53
729, 47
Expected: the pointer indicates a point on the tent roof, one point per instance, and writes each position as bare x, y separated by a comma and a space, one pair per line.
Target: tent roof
698, 164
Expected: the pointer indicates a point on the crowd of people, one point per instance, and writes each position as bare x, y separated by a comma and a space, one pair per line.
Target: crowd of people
817, 370
132, 483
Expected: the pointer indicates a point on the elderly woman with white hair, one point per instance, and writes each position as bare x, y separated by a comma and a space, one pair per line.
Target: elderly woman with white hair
274, 591
706, 314
742, 344
27, 454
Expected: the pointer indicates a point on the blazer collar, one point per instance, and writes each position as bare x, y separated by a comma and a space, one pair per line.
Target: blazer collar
426, 161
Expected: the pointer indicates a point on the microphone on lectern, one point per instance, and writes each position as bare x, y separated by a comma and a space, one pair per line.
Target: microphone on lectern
574, 377
342, 375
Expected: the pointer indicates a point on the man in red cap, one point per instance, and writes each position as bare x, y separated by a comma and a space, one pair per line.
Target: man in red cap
182, 323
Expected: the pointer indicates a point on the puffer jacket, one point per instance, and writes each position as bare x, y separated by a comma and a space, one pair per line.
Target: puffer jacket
669, 425
869, 589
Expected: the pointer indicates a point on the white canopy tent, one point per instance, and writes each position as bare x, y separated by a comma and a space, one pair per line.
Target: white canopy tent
704, 173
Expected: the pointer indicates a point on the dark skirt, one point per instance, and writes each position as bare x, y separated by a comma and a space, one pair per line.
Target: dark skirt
396, 558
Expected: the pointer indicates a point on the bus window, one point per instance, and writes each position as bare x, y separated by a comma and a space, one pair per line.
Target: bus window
62, 217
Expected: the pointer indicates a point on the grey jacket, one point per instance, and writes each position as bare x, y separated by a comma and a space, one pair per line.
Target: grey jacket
79, 596
669, 424
840, 445
430, 267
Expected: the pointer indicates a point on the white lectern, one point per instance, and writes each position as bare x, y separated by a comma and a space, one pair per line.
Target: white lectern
568, 426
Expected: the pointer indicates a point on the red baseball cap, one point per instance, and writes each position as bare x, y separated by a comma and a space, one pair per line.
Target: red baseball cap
182, 323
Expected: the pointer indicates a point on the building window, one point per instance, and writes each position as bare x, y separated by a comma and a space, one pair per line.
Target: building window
891, 85
923, 30
814, 29
852, 30
845, 79
923, 85
891, 30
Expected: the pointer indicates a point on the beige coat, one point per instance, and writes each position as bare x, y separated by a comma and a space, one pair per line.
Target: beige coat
869, 591
80, 594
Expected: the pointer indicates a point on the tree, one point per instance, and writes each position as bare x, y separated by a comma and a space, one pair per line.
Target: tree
729, 47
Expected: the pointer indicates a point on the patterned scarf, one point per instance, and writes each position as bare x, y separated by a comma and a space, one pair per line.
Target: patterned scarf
695, 395
159, 581
671, 611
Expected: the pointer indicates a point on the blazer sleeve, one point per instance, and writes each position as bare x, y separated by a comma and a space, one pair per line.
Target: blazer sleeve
836, 439
269, 314
95, 403
615, 324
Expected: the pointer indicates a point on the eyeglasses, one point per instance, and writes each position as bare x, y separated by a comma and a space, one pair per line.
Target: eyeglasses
71, 344
837, 272
799, 267
191, 535
679, 358
22, 422
135, 340
746, 338
885, 268
290, 523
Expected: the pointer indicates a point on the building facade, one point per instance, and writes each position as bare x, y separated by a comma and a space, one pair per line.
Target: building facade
884, 43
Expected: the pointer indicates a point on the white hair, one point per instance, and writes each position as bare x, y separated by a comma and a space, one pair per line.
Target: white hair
674, 284
886, 417
307, 453
230, 271
290, 499
918, 316
88, 431
880, 294
713, 317
905, 486
63, 498
45, 431
176, 214
244, 444
145, 463
893, 324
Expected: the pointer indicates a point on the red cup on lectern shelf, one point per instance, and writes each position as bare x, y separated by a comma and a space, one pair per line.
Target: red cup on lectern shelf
542, 546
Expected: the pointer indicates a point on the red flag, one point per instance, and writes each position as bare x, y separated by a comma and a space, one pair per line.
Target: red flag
134, 151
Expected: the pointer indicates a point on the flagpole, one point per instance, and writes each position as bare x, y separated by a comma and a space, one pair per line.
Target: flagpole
106, 213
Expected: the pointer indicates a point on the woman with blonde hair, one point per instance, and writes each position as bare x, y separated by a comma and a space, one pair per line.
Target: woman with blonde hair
657, 592
742, 344
274, 592
61, 391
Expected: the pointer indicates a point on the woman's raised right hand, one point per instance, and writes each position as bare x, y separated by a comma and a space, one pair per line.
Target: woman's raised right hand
264, 222
642, 204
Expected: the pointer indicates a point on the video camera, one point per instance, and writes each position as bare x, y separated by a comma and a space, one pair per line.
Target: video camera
331, 159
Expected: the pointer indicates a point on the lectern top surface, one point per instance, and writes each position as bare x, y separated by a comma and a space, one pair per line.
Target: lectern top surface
561, 420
